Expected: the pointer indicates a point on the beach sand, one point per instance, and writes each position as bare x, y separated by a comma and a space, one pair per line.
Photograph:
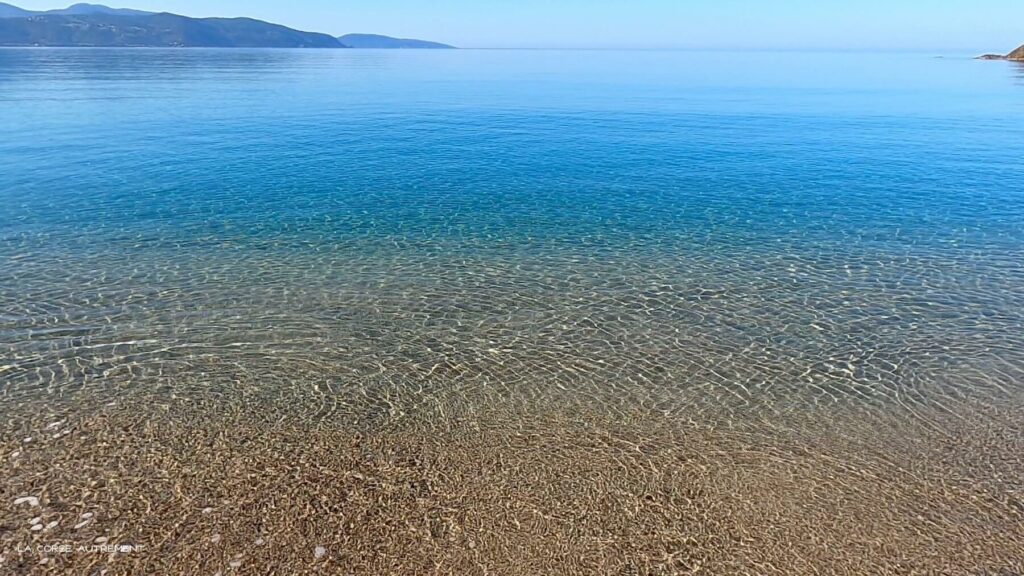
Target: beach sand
232, 486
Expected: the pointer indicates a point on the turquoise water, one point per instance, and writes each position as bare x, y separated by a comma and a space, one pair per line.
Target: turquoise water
681, 230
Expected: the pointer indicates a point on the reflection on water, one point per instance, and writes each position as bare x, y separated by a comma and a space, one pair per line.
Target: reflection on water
340, 245
145, 65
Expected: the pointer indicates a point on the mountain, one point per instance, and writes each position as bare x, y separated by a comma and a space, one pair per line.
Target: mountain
95, 25
1015, 56
102, 29
83, 9
9, 11
377, 41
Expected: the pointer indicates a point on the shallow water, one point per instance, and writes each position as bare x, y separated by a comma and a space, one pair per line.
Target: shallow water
750, 242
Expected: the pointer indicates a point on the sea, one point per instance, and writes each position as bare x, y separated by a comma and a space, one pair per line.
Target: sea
814, 245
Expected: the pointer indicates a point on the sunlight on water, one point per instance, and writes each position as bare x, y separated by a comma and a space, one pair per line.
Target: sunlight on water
774, 248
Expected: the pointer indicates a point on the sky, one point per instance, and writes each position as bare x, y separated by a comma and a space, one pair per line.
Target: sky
927, 25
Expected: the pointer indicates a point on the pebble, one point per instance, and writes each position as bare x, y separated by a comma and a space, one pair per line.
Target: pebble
319, 552
101, 540
37, 527
207, 510
86, 519
52, 525
30, 500
55, 425
215, 538
235, 563
260, 541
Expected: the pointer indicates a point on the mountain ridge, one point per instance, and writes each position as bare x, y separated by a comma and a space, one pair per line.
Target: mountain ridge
161, 30
12, 11
97, 25
388, 42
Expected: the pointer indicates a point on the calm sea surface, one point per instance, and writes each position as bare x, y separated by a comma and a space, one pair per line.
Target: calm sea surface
498, 312
758, 231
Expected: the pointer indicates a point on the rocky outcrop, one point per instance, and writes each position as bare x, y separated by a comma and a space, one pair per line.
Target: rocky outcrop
1015, 56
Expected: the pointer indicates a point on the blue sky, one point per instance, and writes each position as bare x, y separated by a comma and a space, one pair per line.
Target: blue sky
933, 25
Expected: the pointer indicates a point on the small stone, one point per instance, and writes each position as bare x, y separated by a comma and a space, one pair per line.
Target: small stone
52, 525
235, 563
215, 539
32, 501
101, 540
55, 425
37, 528
207, 510
319, 552
87, 515
260, 541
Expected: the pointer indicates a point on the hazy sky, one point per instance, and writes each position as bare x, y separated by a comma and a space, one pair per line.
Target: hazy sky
938, 25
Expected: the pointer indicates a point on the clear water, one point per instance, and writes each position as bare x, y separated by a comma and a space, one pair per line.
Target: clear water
678, 227
460, 244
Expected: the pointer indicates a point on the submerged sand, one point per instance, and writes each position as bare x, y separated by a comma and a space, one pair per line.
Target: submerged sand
174, 485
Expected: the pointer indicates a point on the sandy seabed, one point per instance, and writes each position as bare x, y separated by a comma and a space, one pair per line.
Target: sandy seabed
187, 486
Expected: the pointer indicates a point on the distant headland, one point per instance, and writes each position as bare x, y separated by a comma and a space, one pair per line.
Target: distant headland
94, 25
1015, 56
378, 41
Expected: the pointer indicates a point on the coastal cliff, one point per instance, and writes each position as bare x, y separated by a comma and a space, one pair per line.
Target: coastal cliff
1015, 56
